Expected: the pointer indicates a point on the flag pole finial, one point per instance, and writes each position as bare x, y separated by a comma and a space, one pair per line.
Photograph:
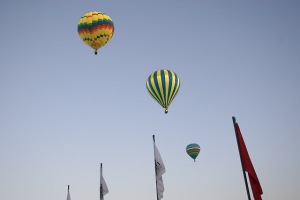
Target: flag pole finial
233, 118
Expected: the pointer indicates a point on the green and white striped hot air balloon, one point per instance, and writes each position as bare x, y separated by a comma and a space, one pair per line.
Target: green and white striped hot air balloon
163, 86
193, 150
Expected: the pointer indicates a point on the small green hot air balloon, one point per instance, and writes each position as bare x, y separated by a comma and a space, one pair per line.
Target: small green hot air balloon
193, 150
163, 86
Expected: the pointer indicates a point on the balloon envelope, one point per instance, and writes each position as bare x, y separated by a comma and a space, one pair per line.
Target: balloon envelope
163, 86
95, 29
193, 150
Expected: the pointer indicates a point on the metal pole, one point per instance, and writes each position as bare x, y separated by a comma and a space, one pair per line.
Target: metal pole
155, 168
101, 189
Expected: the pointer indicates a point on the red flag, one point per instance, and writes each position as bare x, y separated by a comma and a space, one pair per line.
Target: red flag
247, 164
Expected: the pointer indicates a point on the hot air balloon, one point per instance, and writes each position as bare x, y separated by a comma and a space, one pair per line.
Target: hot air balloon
95, 29
193, 150
163, 86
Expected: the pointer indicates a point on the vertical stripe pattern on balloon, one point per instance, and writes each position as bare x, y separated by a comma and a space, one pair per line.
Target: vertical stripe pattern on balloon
163, 86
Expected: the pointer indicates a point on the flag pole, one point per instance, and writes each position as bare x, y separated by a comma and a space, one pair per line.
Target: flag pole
155, 170
101, 195
100, 168
68, 195
244, 174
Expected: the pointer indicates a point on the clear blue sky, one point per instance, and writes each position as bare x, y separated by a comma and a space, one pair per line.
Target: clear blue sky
64, 110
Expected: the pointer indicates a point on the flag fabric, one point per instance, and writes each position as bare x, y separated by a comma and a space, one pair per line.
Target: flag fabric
159, 171
68, 196
247, 164
103, 186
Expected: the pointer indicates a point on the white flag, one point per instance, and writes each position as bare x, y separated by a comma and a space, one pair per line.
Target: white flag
68, 196
103, 186
159, 171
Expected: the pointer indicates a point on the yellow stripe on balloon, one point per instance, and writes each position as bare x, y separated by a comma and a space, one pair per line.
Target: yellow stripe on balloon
176, 89
159, 81
173, 85
156, 91
167, 81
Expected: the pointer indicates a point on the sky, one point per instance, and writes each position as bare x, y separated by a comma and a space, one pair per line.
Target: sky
64, 110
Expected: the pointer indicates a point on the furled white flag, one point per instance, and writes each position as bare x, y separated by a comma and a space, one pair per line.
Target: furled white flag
68, 196
159, 171
103, 186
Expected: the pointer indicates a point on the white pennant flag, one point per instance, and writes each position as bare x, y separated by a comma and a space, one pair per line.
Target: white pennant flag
103, 186
159, 171
68, 196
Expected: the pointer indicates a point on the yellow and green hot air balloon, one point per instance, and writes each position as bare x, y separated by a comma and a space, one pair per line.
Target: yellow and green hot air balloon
163, 86
95, 29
